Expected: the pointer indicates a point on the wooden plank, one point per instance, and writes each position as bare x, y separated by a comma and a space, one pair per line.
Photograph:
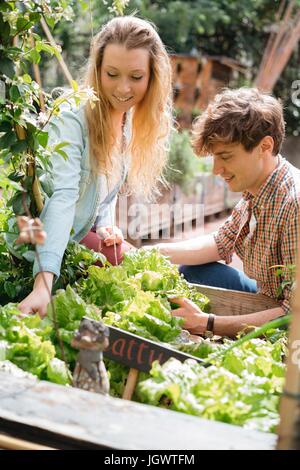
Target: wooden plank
113, 423
289, 427
231, 302
11, 443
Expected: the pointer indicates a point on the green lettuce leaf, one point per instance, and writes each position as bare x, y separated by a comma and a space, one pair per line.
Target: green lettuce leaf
58, 373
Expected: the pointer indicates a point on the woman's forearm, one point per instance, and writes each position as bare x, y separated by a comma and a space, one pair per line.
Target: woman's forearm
44, 280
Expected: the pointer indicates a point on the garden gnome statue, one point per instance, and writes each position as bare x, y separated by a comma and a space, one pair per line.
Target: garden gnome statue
90, 373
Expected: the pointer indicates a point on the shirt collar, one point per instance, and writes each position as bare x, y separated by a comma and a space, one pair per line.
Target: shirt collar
269, 187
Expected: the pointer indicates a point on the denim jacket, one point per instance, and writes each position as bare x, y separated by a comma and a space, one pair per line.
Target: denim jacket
77, 199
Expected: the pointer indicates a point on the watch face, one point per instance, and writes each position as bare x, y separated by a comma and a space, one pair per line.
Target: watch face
208, 334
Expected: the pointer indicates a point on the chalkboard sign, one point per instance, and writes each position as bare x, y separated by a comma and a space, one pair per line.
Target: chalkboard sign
139, 353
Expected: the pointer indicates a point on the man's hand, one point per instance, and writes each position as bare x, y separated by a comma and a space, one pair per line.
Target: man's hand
163, 248
194, 319
150, 247
110, 235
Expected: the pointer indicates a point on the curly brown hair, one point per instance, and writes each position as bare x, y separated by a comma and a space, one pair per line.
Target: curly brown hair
244, 116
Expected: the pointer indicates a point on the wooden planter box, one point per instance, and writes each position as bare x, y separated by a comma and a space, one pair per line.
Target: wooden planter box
231, 302
36, 414
46, 414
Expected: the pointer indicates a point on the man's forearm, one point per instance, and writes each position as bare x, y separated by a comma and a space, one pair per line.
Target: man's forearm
199, 250
233, 324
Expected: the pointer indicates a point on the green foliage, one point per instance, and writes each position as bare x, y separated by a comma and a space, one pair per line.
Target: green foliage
24, 151
134, 296
201, 349
156, 271
26, 343
117, 374
232, 28
238, 29
20, 104
25, 155
69, 309
16, 280
15, 268
182, 161
76, 261
287, 275
243, 387
118, 6
58, 372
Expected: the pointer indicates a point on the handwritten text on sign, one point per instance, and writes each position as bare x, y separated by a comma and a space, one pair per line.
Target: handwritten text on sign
139, 353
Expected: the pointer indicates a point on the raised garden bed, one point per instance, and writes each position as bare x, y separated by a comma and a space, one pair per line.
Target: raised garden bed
108, 287
67, 418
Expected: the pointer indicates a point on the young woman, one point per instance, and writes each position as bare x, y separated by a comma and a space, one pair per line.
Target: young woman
121, 141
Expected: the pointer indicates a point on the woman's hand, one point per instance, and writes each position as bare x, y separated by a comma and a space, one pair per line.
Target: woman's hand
111, 235
38, 300
194, 319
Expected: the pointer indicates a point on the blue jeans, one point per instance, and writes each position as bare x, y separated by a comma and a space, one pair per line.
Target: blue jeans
218, 275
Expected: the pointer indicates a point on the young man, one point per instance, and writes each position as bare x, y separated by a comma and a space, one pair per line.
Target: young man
243, 130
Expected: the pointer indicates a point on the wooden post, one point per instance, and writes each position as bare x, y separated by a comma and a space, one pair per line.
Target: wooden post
21, 133
11, 443
130, 384
269, 53
205, 79
279, 48
289, 428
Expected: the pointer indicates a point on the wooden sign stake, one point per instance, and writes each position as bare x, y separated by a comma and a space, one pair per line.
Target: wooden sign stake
131, 382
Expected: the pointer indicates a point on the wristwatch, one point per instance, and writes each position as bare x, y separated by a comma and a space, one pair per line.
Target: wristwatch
209, 332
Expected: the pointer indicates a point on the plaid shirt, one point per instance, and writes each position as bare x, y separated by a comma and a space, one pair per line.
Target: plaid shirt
263, 231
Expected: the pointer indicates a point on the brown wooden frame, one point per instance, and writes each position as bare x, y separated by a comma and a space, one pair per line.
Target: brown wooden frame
232, 302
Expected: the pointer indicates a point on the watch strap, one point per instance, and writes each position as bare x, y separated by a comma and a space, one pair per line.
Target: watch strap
210, 325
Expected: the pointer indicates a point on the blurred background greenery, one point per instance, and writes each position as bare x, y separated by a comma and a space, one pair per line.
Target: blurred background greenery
237, 29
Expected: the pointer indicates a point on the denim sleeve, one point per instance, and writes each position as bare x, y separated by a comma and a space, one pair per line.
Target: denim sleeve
59, 211
107, 214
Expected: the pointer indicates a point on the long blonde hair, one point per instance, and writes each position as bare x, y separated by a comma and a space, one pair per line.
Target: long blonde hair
152, 117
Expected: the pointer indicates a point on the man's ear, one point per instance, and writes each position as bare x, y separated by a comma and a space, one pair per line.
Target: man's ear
267, 145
